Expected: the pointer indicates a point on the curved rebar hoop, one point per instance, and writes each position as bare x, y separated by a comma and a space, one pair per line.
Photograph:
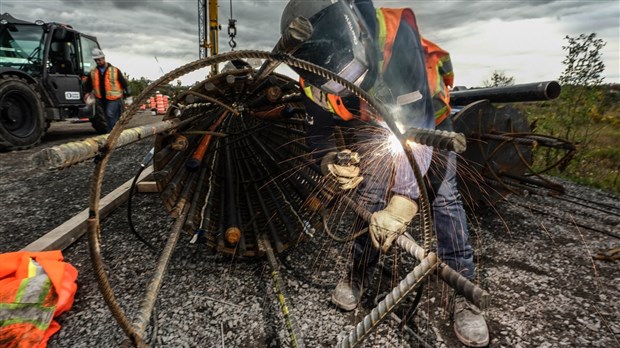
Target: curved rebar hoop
568, 146
508, 140
106, 150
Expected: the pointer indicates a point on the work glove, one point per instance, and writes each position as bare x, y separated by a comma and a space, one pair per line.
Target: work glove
89, 99
387, 224
343, 167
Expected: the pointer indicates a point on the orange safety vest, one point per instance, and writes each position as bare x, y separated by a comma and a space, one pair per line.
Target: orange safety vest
327, 101
35, 287
113, 90
438, 64
440, 77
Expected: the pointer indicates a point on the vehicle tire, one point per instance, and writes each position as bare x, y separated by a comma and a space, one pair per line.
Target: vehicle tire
98, 120
22, 120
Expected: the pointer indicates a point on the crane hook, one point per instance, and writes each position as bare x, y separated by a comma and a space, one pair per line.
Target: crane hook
232, 32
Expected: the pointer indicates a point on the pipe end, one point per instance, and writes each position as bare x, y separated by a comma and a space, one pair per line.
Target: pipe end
232, 235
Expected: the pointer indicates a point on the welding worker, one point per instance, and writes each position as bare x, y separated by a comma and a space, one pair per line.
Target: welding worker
380, 51
109, 86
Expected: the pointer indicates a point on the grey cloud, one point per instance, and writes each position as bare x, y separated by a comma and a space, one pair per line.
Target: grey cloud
433, 15
170, 28
121, 4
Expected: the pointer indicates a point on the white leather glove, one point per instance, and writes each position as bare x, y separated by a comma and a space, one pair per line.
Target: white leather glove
343, 166
387, 224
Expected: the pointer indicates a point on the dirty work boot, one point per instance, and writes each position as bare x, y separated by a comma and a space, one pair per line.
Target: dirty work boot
469, 324
348, 293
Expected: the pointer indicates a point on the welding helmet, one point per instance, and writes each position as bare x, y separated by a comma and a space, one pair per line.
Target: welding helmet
340, 42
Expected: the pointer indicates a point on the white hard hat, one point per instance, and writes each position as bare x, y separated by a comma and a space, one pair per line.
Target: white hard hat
97, 53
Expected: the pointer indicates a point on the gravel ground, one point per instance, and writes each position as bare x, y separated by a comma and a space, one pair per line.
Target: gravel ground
534, 259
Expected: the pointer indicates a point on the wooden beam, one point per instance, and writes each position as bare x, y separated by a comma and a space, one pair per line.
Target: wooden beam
147, 186
70, 231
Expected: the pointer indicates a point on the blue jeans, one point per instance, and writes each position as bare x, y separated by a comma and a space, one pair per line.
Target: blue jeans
112, 109
449, 220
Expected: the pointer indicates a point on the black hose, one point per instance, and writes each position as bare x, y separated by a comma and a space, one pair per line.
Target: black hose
413, 308
132, 191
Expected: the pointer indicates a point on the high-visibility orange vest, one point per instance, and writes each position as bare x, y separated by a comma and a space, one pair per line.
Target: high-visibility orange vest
113, 90
35, 287
439, 68
327, 101
440, 77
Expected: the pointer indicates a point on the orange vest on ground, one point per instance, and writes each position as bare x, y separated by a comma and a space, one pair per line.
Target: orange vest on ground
113, 90
439, 68
35, 287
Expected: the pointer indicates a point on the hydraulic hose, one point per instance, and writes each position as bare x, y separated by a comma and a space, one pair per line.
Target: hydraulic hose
132, 191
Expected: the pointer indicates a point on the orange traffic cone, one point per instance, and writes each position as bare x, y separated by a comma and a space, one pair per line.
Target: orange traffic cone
159, 100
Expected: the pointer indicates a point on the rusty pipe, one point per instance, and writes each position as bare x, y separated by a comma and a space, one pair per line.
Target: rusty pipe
270, 96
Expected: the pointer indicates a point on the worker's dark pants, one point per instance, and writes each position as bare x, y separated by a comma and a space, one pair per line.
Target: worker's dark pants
112, 109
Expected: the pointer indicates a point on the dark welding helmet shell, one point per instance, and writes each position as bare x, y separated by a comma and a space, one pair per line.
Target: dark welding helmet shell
339, 42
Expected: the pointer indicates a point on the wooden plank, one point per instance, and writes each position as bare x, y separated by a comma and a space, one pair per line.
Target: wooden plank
147, 186
70, 231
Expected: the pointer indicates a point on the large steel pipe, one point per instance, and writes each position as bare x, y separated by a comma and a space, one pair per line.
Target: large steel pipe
534, 91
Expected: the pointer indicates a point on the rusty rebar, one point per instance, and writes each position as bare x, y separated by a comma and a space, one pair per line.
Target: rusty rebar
154, 285
390, 302
65, 155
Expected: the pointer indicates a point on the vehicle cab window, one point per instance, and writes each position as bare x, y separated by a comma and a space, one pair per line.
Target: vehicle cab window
87, 62
62, 58
20, 47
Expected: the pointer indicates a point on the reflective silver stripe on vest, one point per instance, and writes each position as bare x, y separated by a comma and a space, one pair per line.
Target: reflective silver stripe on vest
33, 313
27, 306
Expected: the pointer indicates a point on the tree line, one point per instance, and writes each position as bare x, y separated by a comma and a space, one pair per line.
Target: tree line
587, 113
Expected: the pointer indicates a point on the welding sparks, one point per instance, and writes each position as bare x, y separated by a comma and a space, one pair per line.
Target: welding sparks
394, 145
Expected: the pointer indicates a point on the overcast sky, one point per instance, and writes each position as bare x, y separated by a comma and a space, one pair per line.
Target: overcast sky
521, 38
